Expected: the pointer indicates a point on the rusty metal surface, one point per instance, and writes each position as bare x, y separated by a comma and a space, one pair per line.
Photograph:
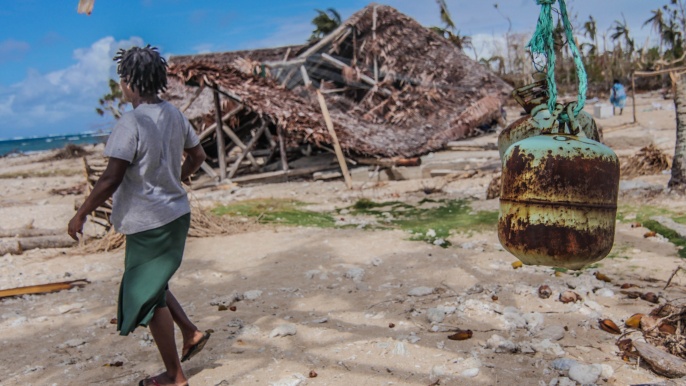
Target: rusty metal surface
558, 200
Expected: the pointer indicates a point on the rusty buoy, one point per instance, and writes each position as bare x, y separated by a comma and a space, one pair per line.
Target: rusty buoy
558, 200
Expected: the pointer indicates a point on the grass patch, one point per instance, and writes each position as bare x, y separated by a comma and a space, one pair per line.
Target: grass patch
273, 211
668, 233
646, 212
41, 173
618, 252
430, 221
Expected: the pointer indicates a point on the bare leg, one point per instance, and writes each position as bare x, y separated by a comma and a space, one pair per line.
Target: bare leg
191, 334
162, 329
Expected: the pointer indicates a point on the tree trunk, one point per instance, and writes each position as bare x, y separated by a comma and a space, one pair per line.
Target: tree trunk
678, 180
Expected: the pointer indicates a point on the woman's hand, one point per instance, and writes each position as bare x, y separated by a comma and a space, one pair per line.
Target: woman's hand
76, 226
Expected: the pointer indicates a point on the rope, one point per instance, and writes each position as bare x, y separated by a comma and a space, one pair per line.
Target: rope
542, 42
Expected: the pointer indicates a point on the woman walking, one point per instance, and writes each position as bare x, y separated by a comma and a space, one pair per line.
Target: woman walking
150, 207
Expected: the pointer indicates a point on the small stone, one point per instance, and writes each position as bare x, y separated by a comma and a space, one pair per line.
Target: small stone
500, 345
438, 372
552, 333
435, 315
563, 364
584, 374
72, 343
321, 320
400, 349
357, 274
252, 295
605, 292
377, 261
284, 330
421, 291
312, 273
562, 381
606, 371
534, 320
546, 346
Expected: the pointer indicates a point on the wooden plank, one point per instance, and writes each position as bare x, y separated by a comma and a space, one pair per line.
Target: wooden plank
388, 162
661, 362
207, 169
280, 175
16, 246
43, 288
306, 77
246, 152
30, 232
334, 139
221, 148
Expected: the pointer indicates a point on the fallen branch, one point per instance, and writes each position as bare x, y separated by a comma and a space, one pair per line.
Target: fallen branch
672, 277
17, 246
43, 288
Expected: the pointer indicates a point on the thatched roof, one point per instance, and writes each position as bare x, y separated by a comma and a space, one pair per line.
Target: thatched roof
428, 91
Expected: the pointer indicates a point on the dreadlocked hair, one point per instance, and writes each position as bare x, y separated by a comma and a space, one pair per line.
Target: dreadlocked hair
143, 69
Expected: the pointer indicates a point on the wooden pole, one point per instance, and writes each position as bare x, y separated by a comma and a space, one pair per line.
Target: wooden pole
282, 148
376, 62
245, 152
221, 147
633, 95
334, 139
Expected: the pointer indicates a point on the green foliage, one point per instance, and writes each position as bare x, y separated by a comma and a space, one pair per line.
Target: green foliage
325, 22
112, 102
448, 30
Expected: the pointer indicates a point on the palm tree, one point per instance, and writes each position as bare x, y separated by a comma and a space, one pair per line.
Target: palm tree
325, 23
112, 102
448, 30
621, 30
657, 23
678, 179
591, 30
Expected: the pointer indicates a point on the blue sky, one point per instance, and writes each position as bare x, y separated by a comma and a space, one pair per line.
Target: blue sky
55, 63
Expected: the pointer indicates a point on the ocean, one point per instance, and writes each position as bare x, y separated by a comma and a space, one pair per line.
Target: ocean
31, 145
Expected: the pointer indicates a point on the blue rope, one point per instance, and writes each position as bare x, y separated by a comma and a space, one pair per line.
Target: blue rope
542, 42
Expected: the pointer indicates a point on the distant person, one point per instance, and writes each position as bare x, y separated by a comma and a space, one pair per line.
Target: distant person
150, 206
617, 97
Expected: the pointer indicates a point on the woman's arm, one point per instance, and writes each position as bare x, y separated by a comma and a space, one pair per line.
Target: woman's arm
195, 156
106, 186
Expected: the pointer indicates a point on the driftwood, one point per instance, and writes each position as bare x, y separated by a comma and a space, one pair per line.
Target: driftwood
17, 246
663, 363
43, 288
30, 232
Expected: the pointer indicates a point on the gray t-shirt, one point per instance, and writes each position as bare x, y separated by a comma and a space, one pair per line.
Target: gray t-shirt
152, 137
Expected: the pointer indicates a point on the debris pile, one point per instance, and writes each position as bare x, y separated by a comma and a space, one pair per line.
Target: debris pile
648, 161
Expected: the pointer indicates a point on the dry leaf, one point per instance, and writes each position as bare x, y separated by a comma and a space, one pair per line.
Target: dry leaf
634, 321
544, 292
650, 297
113, 321
602, 277
115, 364
625, 345
609, 326
313, 374
461, 335
232, 308
391, 325
632, 294
494, 298
628, 285
517, 264
650, 234
636, 225
222, 307
558, 274
667, 328
569, 297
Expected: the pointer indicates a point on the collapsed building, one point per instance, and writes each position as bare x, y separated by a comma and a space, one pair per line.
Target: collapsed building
389, 88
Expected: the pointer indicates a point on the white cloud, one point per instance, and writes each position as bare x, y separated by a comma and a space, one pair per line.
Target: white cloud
63, 94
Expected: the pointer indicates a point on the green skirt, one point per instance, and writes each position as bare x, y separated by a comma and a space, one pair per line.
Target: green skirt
152, 257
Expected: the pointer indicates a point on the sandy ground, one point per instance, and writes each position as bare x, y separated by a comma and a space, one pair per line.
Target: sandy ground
367, 307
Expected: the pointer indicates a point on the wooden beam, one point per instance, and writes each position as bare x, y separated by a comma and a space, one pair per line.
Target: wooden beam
207, 169
324, 41
246, 151
285, 63
306, 78
280, 175
221, 148
212, 127
340, 65
195, 96
334, 139
376, 62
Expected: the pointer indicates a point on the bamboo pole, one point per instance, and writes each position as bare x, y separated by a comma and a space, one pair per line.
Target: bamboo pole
376, 62
633, 95
334, 139
213, 126
221, 147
